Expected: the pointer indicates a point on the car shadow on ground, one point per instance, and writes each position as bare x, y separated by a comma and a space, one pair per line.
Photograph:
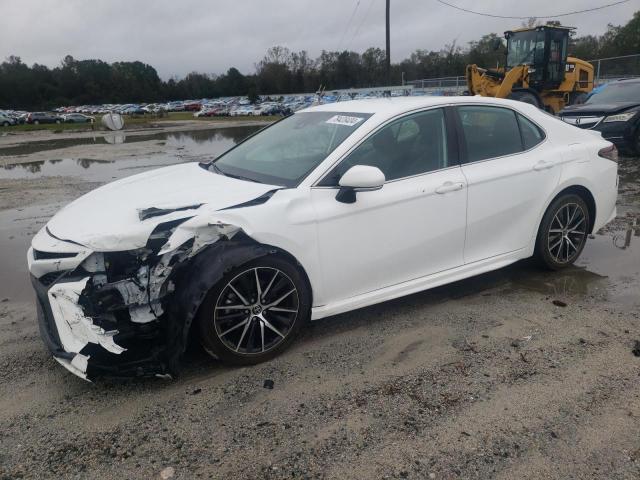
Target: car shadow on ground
523, 276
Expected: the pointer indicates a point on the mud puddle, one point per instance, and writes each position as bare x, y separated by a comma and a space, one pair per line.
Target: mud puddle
198, 140
17, 227
88, 169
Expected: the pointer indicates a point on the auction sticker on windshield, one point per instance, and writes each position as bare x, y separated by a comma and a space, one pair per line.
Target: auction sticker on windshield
345, 120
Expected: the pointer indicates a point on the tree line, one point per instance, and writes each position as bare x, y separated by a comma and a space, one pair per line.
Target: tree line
81, 82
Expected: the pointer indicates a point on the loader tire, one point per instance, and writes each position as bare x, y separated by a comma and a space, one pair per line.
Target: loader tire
526, 97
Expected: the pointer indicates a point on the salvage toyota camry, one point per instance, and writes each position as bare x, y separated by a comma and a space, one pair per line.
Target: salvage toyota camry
333, 208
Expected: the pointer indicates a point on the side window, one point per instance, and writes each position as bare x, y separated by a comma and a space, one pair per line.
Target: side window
531, 134
409, 146
489, 132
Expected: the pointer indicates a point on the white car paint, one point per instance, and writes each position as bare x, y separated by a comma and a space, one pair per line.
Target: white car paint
389, 236
110, 217
413, 233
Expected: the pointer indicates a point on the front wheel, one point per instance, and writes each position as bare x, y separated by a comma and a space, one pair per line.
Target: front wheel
254, 312
563, 232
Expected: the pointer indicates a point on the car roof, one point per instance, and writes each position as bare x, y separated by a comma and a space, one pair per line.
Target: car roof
393, 106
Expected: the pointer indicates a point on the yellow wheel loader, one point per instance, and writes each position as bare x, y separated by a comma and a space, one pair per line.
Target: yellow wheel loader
538, 70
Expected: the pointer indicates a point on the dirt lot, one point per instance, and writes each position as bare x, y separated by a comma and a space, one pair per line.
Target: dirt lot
514, 374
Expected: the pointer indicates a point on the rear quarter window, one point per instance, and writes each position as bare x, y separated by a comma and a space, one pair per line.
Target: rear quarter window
532, 135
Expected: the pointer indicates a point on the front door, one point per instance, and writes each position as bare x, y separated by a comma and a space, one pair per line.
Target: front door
412, 227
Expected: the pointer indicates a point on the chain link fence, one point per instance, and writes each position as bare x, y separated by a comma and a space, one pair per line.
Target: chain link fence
615, 68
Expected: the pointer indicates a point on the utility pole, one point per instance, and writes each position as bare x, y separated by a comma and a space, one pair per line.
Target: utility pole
388, 46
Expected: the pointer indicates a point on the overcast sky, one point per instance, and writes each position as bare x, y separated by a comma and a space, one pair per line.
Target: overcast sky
180, 36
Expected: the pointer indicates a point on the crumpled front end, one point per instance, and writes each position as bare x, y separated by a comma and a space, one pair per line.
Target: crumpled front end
105, 313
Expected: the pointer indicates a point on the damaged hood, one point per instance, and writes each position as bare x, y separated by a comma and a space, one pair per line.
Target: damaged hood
121, 215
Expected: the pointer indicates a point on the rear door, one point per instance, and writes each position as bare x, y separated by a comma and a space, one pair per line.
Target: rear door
511, 170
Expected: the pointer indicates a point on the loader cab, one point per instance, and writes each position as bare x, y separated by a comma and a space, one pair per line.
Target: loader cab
544, 50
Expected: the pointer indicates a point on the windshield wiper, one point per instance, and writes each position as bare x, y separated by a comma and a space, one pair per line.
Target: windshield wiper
217, 169
240, 177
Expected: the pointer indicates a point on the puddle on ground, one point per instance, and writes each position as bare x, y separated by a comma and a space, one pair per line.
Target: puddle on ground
17, 228
198, 140
197, 145
609, 266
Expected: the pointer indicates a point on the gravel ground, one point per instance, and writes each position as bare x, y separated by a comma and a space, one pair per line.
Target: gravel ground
518, 373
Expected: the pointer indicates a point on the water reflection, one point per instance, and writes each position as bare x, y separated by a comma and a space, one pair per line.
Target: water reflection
179, 147
115, 138
230, 134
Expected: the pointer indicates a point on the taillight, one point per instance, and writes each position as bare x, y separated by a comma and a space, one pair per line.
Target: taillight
610, 153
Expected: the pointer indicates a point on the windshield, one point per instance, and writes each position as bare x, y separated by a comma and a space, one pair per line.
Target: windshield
522, 47
615, 93
286, 152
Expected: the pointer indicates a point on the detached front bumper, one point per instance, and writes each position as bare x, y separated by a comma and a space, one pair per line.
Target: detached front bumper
96, 318
106, 313
73, 361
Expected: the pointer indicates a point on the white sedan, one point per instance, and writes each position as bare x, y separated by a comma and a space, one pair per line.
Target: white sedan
331, 209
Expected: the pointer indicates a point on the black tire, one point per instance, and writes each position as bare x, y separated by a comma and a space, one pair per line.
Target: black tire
526, 97
36, 122
212, 327
57, 121
5, 124
563, 232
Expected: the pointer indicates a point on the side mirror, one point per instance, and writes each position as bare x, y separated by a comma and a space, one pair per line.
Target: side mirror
359, 178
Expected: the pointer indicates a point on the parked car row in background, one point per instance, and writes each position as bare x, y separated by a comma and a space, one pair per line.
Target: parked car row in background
612, 109
11, 117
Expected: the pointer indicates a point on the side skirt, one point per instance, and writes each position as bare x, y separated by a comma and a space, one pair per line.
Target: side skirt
419, 284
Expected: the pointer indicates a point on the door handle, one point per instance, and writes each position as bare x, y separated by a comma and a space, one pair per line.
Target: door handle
450, 187
543, 165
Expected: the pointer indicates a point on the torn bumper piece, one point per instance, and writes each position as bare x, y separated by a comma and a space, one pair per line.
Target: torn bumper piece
109, 315
76, 330
84, 347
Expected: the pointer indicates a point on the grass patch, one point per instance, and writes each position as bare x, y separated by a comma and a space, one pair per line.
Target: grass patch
55, 127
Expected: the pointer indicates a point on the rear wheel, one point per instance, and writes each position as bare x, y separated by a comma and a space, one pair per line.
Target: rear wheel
36, 122
254, 312
526, 97
563, 232
5, 124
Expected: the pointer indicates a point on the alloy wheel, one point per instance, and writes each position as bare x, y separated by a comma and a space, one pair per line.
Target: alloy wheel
256, 310
567, 233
